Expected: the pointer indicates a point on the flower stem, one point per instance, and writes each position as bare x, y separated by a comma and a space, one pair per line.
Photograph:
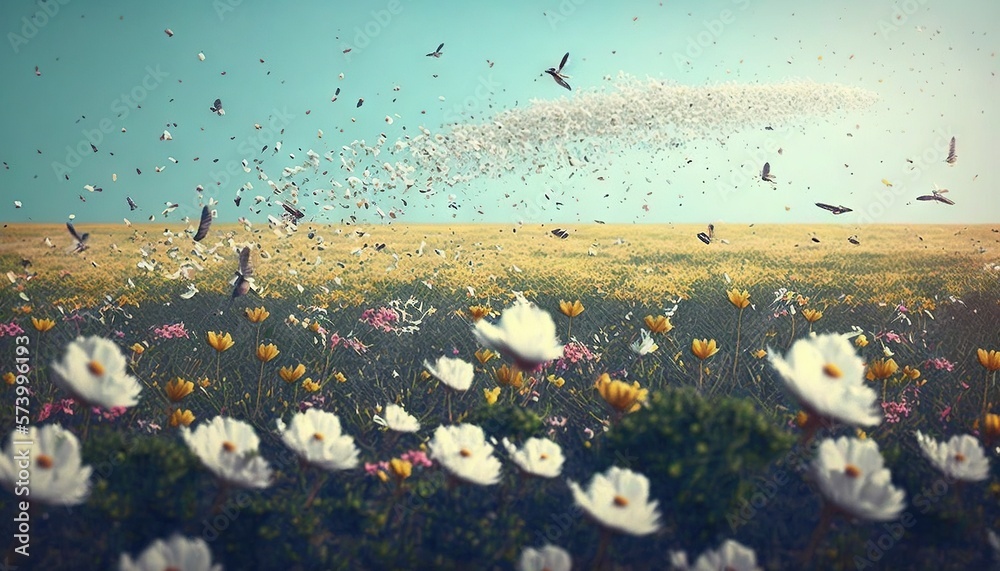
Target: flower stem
569, 330
736, 359
218, 357
260, 383
701, 373
602, 549
220, 498
315, 490
986, 388
825, 519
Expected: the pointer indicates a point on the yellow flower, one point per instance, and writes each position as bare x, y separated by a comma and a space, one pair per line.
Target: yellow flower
861, 341
911, 373
622, 396
801, 419
557, 381
401, 469
138, 348
491, 395
383, 476
290, 374
266, 352
508, 376
801, 300
812, 315
9, 378
740, 300
658, 324
178, 388
484, 355
42, 325
219, 341
760, 353
881, 369
204, 382
989, 359
570, 309
181, 417
257, 314
310, 386
424, 375
992, 430
314, 327
340, 378
478, 312
704, 348
861, 434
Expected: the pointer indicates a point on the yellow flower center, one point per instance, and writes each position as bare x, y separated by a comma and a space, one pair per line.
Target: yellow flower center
832, 371
465, 453
620, 501
95, 368
959, 457
228, 446
852, 471
44, 461
317, 436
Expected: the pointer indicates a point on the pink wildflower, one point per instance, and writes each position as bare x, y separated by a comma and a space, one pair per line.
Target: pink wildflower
417, 458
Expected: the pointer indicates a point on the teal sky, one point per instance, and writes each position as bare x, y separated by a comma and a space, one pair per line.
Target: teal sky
933, 65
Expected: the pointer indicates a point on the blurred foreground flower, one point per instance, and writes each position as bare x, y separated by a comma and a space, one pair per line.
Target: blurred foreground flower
58, 477
658, 324
731, 556
229, 448
315, 436
824, 375
619, 500
463, 451
397, 419
961, 458
455, 373
178, 553
93, 371
525, 333
851, 474
622, 397
548, 558
538, 457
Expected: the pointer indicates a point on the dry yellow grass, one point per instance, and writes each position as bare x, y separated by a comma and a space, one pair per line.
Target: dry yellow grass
651, 262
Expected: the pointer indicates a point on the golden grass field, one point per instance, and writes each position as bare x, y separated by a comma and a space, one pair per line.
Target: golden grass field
893, 263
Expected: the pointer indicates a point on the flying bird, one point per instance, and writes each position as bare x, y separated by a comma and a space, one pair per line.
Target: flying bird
834, 209
765, 173
243, 280
436, 53
952, 157
131, 203
936, 194
81, 240
560, 233
854, 240
217, 108
557, 73
203, 226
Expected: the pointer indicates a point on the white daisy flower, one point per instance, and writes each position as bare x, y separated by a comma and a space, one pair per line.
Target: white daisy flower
548, 558
93, 371
229, 448
644, 346
851, 474
731, 556
619, 499
178, 553
397, 419
455, 373
463, 451
826, 377
538, 457
961, 458
58, 476
315, 436
525, 333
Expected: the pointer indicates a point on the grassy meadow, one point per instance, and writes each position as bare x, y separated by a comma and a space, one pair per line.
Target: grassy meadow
717, 438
